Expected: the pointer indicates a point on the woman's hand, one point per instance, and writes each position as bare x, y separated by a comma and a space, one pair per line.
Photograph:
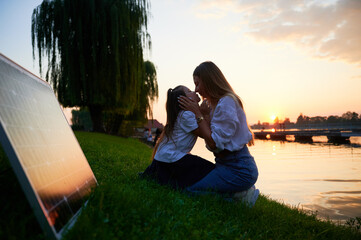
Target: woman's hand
188, 104
204, 129
205, 108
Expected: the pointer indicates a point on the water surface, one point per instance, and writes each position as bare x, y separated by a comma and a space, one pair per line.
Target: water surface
318, 176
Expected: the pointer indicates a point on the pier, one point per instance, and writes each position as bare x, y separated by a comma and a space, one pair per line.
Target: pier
333, 135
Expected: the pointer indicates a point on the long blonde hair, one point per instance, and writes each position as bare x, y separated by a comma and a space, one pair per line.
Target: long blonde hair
216, 86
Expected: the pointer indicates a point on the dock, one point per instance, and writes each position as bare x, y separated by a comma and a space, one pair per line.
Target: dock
333, 135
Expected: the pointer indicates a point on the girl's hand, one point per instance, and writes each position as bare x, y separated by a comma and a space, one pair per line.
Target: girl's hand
188, 104
205, 108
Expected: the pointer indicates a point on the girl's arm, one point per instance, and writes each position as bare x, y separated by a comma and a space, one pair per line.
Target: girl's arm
204, 129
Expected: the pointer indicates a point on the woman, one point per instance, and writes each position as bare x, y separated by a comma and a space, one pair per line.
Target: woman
227, 135
172, 164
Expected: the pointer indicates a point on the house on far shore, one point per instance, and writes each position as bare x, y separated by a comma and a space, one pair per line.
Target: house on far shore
153, 125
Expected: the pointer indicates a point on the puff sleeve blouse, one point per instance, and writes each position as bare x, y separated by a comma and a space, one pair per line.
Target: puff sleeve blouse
182, 140
229, 125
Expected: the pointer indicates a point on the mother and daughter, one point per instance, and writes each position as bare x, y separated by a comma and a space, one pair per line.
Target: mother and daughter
221, 121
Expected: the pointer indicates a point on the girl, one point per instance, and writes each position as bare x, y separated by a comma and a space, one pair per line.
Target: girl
172, 164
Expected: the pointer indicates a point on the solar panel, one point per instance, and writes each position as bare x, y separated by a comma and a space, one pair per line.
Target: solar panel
42, 149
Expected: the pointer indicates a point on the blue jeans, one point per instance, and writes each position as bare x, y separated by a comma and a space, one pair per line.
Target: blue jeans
234, 173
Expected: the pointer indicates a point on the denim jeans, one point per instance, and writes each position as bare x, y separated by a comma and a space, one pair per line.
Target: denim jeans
234, 173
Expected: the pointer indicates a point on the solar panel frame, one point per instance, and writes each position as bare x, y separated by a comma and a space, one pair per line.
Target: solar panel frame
36, 201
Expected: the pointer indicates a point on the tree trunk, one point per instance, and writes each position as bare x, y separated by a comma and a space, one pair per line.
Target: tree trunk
117, 122
97, 118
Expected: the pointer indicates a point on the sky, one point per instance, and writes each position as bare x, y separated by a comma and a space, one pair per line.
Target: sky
282, 57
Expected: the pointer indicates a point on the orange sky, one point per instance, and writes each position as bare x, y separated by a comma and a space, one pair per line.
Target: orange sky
281, 57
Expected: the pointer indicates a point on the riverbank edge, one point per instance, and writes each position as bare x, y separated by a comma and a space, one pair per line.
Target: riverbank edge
124, 206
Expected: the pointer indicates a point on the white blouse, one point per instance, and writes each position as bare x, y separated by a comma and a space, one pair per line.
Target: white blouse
229, 125
182, 140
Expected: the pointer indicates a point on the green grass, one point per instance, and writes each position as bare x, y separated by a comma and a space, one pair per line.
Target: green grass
126, 207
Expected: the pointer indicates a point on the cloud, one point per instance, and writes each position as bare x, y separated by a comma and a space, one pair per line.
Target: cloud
356, 77
211, 9
326, 29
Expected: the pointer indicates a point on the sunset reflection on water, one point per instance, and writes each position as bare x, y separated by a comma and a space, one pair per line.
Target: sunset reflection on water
317, 176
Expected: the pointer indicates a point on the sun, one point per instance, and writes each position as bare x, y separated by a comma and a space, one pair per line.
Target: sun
273, 117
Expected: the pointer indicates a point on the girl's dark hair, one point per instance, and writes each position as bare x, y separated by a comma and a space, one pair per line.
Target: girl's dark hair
172, 107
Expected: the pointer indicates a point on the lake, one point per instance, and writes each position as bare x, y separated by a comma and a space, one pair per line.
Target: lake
318, 176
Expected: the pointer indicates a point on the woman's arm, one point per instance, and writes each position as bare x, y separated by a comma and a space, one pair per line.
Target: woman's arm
203, 130
224, 122
206, 110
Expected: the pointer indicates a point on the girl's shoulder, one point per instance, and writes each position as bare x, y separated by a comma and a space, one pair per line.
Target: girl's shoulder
186, 115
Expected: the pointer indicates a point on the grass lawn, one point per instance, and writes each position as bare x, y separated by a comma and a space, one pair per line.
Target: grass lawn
126, 207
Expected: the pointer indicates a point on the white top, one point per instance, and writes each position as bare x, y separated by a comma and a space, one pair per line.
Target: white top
182, 140
229, 125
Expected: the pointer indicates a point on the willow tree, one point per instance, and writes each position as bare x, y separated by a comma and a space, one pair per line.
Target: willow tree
94, 52
149, 90
148, 93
